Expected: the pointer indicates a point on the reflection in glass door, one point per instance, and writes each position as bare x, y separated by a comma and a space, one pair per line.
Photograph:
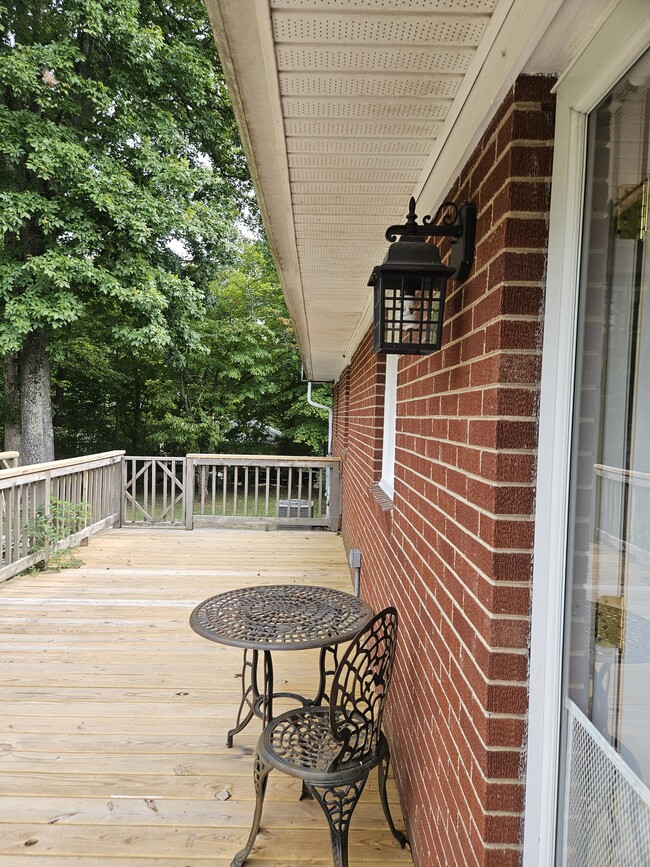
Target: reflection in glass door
608, 629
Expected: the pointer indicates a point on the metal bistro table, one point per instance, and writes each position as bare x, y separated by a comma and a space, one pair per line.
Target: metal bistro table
279, 617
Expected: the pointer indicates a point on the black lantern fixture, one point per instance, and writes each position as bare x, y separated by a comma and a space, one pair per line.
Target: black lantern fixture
411, 282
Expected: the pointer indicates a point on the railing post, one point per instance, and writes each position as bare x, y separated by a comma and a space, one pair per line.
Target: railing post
120, 487
188, 492
47, 491
335, 497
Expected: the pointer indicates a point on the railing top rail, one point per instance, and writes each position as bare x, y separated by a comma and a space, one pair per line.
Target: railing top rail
154, 457
39, 469
7, 456
301, 460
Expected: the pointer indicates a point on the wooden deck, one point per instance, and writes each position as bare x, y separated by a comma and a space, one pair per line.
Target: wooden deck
114, 713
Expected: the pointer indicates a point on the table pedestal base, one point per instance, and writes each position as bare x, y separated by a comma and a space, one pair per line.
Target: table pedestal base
260, 704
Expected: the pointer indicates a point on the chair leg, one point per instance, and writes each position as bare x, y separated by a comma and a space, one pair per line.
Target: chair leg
261, 777
384, 764
338, 803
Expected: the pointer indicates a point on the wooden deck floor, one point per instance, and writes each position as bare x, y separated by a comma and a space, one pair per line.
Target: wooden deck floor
114, 713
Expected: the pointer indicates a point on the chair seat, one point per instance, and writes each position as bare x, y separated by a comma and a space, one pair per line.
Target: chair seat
300, 742
301, 739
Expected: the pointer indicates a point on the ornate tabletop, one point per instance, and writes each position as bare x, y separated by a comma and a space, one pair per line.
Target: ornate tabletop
281, 617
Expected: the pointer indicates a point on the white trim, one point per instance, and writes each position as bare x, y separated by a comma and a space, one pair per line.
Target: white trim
587, 78
387, 481
614, 48
556, 405
516, 29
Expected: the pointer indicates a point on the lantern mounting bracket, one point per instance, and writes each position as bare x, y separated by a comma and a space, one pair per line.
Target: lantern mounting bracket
457, 222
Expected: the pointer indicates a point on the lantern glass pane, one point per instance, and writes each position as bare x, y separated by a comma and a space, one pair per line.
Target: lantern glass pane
413, 307
409, 309
392, 307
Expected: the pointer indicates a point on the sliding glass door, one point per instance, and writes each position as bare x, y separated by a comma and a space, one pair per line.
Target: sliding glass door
606, 805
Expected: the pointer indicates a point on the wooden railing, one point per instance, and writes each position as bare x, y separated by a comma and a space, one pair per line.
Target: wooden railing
262, 489
9, 460
29, 495
153, 491
241, 490
110, 489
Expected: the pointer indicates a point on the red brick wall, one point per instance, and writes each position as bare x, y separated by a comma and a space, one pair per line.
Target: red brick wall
455, 552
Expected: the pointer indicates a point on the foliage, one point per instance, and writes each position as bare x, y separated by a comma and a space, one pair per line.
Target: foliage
238, 389
123, 193
122, 176
45, 531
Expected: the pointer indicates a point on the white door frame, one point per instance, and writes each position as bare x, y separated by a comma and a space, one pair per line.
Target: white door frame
615, 46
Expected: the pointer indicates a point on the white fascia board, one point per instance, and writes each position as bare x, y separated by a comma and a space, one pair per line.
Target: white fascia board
516, 29
583, 85
243, 34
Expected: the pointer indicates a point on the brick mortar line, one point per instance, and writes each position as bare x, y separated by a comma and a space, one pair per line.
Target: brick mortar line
492, 616
490, 781
511, 386
547, 144
497, 384
508, 350
445, 417
523, 216
501, 317
518, 618
519, 517
524, 250
518, 179
523, 105
480, 541
495, 585
467, 473
500, 649
511, 847
443, 753
489, 449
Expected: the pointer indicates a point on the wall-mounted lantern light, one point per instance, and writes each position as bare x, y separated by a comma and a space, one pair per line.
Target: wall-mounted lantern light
410, 284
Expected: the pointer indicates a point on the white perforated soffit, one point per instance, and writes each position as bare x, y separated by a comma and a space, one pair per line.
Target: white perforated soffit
365, 88
341, 103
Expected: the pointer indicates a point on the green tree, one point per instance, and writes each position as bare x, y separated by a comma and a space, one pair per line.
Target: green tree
121, 179
237, 389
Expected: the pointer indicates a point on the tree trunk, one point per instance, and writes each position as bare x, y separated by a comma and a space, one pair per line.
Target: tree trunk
37, 443
12, 403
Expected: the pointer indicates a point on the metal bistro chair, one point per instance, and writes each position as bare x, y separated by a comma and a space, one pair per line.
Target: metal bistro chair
333, 749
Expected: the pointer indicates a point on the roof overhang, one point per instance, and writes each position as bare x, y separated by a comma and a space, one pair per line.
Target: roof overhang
346, 108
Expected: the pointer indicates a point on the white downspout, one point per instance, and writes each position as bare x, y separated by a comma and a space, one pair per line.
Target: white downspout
330, 414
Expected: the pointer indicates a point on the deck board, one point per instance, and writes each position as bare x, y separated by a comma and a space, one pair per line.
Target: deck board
114, 713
